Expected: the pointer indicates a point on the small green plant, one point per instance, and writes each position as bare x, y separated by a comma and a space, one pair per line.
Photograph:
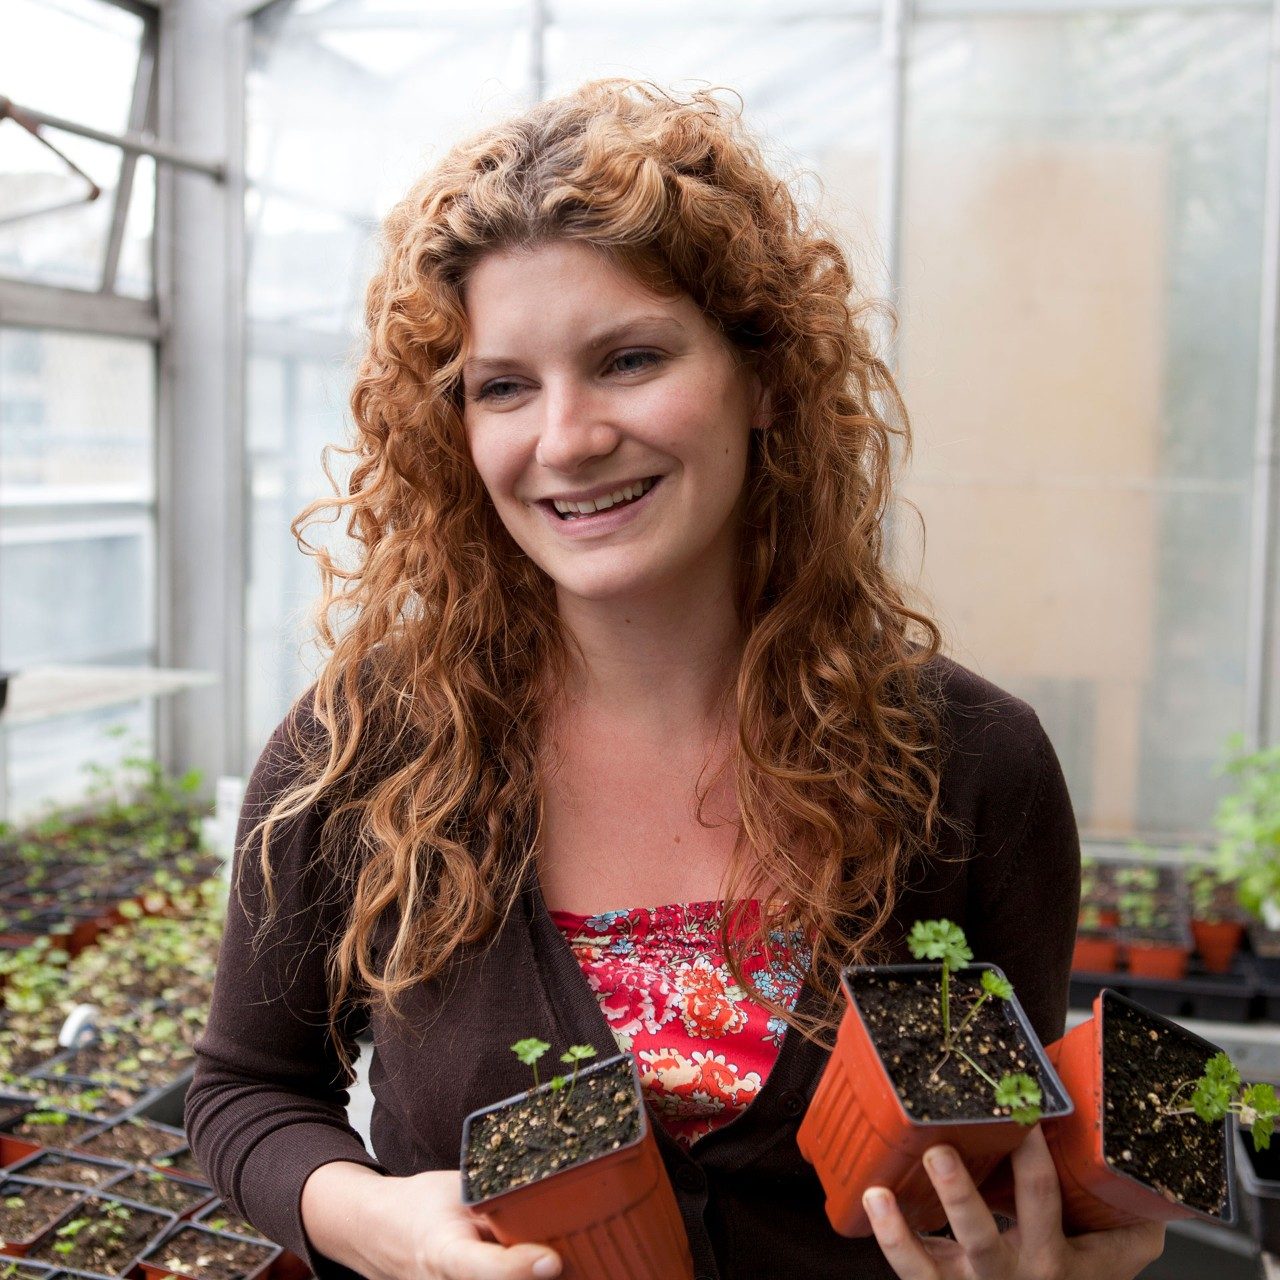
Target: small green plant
529, 1050
1220, 1092
1139, 904
944, 941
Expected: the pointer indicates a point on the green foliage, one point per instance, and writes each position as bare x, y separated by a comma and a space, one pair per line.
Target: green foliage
940, 940
1220, 1092
994, 985
529, 1050
1247, 821
1021, 1094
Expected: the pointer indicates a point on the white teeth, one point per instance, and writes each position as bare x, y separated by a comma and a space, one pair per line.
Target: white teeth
624, 494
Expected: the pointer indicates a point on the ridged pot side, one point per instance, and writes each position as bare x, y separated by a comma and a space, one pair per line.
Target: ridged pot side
857, 1133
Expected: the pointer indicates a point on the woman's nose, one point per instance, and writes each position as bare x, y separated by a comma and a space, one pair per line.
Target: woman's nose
575, 428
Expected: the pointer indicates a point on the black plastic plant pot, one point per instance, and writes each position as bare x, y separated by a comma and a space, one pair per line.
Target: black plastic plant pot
72, 1169
15, 1146
613, 1214
61, 1203
859, 1133
91, 1206
154, 1263
1259, 1176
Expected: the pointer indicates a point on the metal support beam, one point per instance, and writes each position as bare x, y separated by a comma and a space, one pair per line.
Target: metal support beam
38, 306
130, 143
141, 117
1262, 680
199, 443
895, 19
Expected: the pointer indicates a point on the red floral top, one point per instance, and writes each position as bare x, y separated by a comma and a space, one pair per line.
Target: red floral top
703, 1048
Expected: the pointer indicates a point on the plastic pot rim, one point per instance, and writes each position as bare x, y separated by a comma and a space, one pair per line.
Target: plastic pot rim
1048, 1075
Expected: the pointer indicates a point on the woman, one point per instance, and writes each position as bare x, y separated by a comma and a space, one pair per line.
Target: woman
619, 650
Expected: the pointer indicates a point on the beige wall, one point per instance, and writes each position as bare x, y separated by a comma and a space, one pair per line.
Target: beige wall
1033, 330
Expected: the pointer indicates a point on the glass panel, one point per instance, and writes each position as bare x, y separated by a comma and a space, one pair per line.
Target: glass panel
48, 762
77, 418
71, 58
1079, 345
134, 274
50, 233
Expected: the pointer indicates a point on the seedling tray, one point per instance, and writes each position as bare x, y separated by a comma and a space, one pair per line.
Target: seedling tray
1237, 996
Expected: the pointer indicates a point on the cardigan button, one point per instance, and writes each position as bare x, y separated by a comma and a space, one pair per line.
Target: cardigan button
791, 1103
690, 1178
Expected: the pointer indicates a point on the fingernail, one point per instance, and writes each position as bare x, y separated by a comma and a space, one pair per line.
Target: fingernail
546, 1267
941, 1160
875, 1200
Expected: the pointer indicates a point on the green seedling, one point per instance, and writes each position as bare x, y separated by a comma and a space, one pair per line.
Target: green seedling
944, 941
529, 1050
1220, 1092
575, 1054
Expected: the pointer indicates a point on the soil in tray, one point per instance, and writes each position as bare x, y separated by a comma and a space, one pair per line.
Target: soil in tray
222, 1219
160, 1192
104, 1236
184, 1164
50, 1133
133, 1140
905, 1022
25, 1210
533, 1137
55, 1167
210, 1257
1182, 1157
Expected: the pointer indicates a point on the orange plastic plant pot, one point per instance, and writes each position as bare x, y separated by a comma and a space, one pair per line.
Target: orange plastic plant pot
1096, 1196
1217, 941
857, 1134
1095, 955
1157, 960
614, 1215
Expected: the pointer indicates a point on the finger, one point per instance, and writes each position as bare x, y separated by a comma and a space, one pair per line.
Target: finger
899, 1244
1038, 1195
463, 1257
971, 1221
1122, 1250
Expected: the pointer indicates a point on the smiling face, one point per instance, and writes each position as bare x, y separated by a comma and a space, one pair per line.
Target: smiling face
579, 383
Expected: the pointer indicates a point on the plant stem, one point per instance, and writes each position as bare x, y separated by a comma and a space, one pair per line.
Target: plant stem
946, 1005
968, 1017
990, 1080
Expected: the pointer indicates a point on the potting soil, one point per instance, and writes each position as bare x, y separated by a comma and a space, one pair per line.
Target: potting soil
535, 1136
1143, 1063
210, 1257
160, 1192
25, 1210
904, 1018
109, 1240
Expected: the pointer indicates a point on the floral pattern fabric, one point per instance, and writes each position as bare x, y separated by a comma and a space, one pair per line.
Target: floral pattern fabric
702, 1046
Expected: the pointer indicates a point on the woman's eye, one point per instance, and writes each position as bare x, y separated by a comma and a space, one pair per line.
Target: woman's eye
646, 356
491, 390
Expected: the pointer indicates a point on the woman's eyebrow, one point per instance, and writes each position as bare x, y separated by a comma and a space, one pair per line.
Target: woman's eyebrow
479, 364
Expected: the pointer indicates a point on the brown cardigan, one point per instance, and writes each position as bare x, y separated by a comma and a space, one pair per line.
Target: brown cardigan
267, 1106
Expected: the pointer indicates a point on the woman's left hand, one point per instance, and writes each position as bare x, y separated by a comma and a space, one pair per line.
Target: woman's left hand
1035, 1249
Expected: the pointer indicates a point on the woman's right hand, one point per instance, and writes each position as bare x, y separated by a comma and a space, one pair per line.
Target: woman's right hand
413, 1228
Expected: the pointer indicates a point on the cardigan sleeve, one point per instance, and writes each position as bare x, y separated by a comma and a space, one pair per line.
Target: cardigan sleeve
267, 1105
1025, 895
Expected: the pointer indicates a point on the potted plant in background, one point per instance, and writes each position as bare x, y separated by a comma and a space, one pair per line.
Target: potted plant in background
1216, 923
1096, 948
1248, 825
925, 1053
573, 1164
1152, 922
1149, 1136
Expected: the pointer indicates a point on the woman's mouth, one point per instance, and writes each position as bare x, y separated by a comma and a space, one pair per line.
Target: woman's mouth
577, 524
